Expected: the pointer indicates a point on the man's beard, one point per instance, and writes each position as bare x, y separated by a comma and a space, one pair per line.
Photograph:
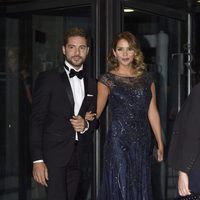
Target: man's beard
74, 63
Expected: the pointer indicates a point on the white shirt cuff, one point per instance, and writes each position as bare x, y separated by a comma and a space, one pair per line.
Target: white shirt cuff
38, 161
86, 128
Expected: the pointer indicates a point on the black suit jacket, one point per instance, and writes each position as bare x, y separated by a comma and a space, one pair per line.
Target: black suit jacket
52, 136
184, 150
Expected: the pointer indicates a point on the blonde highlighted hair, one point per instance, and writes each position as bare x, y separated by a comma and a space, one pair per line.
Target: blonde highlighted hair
138, 62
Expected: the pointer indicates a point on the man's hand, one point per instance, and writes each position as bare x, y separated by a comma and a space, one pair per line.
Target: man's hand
78, 123
183, 184
40, 173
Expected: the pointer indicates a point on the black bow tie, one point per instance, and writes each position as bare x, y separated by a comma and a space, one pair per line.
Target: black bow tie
72, 73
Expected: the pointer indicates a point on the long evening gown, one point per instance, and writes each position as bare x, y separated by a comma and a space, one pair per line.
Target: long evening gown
126, 167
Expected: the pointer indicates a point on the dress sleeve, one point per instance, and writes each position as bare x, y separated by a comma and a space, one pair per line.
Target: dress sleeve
106, 80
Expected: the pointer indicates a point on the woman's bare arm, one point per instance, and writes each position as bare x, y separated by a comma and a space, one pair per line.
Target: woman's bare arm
154, 120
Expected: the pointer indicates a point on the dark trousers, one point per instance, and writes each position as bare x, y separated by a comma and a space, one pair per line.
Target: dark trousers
63, 181
194, 182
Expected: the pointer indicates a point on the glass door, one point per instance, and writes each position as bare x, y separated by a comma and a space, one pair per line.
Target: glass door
162, 42
33, 43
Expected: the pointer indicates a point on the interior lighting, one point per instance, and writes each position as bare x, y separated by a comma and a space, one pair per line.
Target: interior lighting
130, 9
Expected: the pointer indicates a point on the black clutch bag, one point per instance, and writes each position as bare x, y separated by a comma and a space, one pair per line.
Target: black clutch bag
189, 197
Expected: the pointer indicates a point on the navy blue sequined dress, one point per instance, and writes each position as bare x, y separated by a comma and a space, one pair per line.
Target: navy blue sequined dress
126, 170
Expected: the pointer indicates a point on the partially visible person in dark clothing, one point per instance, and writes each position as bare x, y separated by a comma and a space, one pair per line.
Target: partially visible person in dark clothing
184, 150
26, 78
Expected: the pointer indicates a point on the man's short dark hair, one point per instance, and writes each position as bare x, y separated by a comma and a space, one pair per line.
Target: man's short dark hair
75, 31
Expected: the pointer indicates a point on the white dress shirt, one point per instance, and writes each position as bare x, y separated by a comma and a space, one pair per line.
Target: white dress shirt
78, 88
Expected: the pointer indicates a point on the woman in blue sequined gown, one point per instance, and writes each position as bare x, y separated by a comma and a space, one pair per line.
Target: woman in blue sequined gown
131, 94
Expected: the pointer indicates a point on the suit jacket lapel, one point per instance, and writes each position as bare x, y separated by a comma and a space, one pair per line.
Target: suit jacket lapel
67, 85
86, 85
82, 109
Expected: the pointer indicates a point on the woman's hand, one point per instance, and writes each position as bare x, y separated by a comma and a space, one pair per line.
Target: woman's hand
90, 116
160, 153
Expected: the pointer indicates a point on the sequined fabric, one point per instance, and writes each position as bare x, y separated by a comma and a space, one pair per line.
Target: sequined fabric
126, 170
189, 197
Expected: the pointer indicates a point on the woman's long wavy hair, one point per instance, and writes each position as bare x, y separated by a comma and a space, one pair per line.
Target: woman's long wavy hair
138, 61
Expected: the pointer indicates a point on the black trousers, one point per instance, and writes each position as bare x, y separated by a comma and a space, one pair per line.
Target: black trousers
63, 181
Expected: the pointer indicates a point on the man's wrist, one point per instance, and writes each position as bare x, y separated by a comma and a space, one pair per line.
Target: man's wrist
86, 125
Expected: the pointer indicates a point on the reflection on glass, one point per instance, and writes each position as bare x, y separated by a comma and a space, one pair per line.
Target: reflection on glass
33, 44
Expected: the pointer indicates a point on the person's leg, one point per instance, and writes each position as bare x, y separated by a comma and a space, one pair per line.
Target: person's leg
63, 181
73, 175
57, 187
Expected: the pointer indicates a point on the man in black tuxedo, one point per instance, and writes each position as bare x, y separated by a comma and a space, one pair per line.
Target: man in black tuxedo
61, 98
